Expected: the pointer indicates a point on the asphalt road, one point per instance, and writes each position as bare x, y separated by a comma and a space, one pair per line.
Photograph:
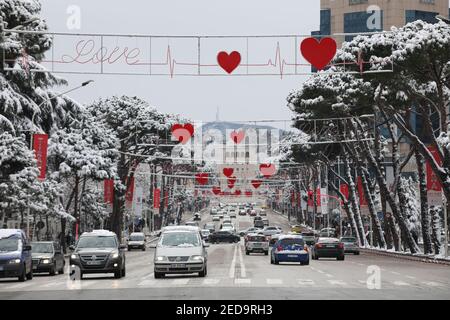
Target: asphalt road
233, 275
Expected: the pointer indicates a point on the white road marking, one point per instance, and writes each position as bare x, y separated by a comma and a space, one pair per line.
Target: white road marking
329, 275
54, 284
432, 284
209, 282
233, 263
274, 281
320, 271
396, 273
337, 282
147, 283
180, 282
401, 283
305, 282
148, 276
19, 286
241, 262
411, 277
242, 281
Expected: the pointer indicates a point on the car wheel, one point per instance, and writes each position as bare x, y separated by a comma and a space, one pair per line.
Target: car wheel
159, 275
53, 270
341, 258
247, 252
61, 271
118, 274
123, 271
306, 263
275, 261
266, 253
357, 253
202, 274
129, 248
29, 275
143, 248
23, 276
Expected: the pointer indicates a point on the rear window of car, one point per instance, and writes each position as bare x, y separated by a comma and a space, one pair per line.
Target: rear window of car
287, 242
308, 234
257, 239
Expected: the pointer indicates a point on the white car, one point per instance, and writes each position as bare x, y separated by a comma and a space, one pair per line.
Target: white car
216, 218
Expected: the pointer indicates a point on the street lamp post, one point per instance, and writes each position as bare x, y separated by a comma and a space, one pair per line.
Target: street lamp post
84, 84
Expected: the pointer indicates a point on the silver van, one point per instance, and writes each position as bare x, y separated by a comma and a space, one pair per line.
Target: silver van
180, 251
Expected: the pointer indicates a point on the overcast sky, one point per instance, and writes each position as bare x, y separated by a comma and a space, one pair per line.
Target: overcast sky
239, 98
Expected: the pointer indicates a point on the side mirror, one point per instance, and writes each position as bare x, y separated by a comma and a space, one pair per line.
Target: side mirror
27, 248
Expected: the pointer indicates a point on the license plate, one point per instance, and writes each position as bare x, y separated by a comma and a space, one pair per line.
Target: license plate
178, 265
292, 256
93, 263
330, 246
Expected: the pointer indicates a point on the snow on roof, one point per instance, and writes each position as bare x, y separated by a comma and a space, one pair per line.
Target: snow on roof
5, 233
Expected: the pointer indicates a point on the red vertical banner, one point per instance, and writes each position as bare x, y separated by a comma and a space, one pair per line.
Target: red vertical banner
310, 198
40, 146
166, 199
344, 190
433, 183
108, 191
130, 190
362, 196
318, 198
156, 198
299, 199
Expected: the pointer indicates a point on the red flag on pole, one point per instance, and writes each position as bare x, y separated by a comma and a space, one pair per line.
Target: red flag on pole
344, 190
433, 182
108, 190
156, 198
40, 145
362, 196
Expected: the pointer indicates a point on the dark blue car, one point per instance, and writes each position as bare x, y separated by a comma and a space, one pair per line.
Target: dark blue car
15, 255
290, 248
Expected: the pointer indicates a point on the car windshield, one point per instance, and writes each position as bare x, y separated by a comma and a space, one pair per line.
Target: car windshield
136, 237
97, 242
257, 239
9, 244
37, 247
180, 239
288, 242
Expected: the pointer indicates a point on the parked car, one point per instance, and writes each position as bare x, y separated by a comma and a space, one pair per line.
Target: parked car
309, 238
350, 245
289, 248
224, 236
328, 248
15, 255
99, 251
180, 252
256, 243
48, 257
137, 241
270, 231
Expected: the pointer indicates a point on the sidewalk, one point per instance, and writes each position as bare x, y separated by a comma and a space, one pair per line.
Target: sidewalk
406, 256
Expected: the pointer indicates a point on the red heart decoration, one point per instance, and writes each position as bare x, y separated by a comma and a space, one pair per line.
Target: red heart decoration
237, 192
183, 132
237, 137
319, 53
229, 62
232, 180
228, 172
202, 178
216, 191
256, 183
267, 170
248, 193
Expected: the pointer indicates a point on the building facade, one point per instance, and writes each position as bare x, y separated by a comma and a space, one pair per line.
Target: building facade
352, 16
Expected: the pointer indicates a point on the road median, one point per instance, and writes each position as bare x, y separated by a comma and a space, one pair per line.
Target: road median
407, 256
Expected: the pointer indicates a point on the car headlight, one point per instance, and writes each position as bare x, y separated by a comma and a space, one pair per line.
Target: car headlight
115, 255
197, 258
161, 258
73, 256
14, 261
46, 261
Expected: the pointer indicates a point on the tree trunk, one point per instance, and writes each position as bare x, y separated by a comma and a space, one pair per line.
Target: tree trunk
424, 212
75, 206
436, 229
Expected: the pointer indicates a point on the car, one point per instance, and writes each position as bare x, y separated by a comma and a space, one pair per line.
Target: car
137, 241
221, 214
256, 243
99, 251
15, 255
227, 226
257, 218
262, 213
232, 213
213, 211
328, 233
180, 252
191, 223
210, 226
265, 221
197, 217
224, 236
270, 231
242, 212
297, 229
205, 234
309, 237
226, 219
247, 231
289, 248
259, 224
350, 245
274, 238
216, 218
328, 248
253, 213
47, 256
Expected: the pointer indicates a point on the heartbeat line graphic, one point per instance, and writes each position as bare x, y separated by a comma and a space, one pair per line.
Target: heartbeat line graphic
89, 52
